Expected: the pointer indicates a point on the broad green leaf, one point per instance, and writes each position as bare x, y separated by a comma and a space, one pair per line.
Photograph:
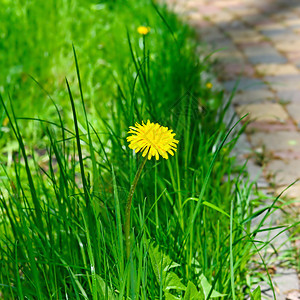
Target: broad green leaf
173, 282
207, 287
192, 293
170, 266
256, 294
196, 265
162, 264
169, 296
157, 261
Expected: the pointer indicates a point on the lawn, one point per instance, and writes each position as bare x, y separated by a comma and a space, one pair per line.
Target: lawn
75, 75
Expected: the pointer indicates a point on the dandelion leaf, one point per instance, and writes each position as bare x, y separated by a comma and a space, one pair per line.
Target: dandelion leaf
191, 293
256, 294
206, 287
169, 296
173, 282
161, 264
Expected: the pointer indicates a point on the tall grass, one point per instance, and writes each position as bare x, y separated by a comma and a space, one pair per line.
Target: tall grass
63, 201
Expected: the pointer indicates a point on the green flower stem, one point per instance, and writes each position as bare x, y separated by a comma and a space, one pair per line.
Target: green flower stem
155, 193
128, 205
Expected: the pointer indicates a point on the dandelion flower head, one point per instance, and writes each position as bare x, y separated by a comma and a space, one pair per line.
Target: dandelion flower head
143, 30
209, 85
152, 139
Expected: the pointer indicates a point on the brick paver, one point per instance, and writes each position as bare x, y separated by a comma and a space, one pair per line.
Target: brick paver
266, 112
262, 38
276, 69
289, 140
281, 172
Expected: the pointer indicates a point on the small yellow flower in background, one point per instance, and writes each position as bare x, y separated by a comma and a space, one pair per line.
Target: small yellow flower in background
209, 85
143, 30
5, 121
152, 139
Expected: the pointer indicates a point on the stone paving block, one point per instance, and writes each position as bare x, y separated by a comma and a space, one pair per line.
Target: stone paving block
276, 69
176, 8
208, 10
224, 44
233, 25
296, 7
294, 111
228, 3
286, 46
276, 34
276, 141
268, 8
244, 84
267, 58
267, 112
263, 54
284, 39
268, 25
222, 16
255, 174
245, 35
187, 5
248, 39
254, 48
285, 282
283, 172
282, 87
292, 295
296, 29
209, 31
293, 192
283, 82
286, 155
244, 12
193, 17
196, 21
255, 20
265, 126
211, 38
293, 55
292, 95
241, 31
292, 22
242, 9
229, 56
284, 78
269, 235
253, 96
235, 70
284, 15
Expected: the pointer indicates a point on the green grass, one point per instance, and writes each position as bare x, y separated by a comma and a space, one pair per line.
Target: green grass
66, 169
37, 39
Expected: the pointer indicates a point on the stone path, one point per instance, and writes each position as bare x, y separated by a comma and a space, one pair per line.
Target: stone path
260, 42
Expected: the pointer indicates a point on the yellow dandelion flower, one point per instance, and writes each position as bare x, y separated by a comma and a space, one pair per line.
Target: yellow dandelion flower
5, 121
143, 30
209, 85
152, 139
